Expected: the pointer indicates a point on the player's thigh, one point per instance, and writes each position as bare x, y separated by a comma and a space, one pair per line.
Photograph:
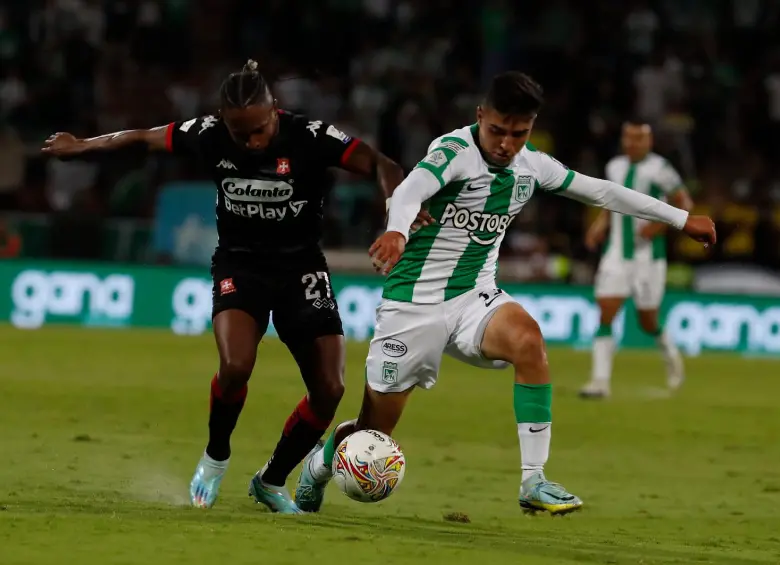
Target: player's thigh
648, 284
513, 336
307, 320
381, 411
612, 279
305, 309
473, 312
406, 350
239, 318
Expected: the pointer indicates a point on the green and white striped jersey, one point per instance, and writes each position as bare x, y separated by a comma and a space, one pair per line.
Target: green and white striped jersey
653, 176
473, 207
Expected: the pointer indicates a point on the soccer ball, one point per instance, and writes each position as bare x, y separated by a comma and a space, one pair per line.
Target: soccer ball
368, 466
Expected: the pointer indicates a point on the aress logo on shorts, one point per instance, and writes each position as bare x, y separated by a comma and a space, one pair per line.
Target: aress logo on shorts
393, 348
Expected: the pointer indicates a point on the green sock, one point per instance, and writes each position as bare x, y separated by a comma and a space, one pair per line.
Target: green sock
533, 403
329, 449
605, 330
533, 413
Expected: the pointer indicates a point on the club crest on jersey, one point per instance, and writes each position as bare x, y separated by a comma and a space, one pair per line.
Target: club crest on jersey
524, 188
226, 286
282, 166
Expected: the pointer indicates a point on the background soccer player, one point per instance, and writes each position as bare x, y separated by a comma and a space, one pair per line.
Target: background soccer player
634, 260
269, 169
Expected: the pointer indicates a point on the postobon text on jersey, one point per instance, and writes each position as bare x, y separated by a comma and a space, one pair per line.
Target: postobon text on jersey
483, 228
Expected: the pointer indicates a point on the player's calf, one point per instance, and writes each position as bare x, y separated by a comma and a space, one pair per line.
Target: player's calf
322, 366
512, 335
675, 368
603, 351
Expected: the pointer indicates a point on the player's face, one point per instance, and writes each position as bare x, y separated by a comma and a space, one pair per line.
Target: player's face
253, 127
636, 140
501, 136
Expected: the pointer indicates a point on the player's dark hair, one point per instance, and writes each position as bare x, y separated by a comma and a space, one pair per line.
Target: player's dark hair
515, 94
245, 88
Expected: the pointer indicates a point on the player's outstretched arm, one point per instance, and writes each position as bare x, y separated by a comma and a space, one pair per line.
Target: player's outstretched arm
597, 232
63, 144
612, 196
366, 161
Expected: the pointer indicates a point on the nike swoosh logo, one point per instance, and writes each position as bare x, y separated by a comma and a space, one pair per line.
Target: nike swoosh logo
472, 187
537, 430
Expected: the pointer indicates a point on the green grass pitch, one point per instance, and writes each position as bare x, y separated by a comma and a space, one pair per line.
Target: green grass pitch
100, 431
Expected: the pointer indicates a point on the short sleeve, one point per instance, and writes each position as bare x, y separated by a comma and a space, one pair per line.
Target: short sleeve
445, 159
552, 175
668, 179
190, 137
332, 146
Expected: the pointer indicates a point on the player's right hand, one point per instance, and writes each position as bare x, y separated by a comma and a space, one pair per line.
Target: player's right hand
594, 237
387, 250
701, 228
63, 144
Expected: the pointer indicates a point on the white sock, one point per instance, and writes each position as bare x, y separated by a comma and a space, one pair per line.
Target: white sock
534, 447
214, 463
317, 467
603, 352
211, 467
667, 346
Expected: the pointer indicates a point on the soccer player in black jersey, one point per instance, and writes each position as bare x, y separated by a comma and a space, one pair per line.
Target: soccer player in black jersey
269, 167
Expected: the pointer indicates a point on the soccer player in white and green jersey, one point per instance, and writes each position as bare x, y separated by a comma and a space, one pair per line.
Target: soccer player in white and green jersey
634, 260
440, 295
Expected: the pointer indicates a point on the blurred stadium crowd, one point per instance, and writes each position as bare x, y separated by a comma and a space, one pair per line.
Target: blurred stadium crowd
705, 73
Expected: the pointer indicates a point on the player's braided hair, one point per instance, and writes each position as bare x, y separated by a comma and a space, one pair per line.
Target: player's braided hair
245, 88
515, 94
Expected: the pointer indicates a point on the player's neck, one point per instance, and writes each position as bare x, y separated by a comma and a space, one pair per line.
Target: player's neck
485, 158
637, 160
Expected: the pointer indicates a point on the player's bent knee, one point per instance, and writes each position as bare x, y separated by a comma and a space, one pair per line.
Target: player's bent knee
648, 321
236, 370
326, 399
528, 348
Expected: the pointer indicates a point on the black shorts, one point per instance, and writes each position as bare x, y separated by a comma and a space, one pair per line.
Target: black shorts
300, 298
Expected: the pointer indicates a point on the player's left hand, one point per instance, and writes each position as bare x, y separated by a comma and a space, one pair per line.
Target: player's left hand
387, 250
423, 219
701, 228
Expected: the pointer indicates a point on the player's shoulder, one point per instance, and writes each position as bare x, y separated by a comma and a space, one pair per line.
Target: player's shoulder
535, 159
299, 124
617, 161
200, 125
302, 125
658, 162
457, 141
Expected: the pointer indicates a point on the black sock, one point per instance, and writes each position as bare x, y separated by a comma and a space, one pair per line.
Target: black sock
301, 432
222, 420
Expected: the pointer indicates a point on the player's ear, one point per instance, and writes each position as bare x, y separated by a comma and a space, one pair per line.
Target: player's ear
479, 115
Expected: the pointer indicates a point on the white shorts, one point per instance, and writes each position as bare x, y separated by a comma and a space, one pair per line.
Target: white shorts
643, 280
410, 339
